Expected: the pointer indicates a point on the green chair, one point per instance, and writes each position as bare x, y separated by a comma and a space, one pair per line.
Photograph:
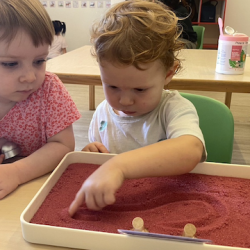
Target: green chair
217, 126
200, 30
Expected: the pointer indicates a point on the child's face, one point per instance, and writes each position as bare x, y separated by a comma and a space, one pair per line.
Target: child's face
134, 92
22, 68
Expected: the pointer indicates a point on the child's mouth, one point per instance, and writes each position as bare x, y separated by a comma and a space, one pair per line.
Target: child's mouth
25, 91
128, 112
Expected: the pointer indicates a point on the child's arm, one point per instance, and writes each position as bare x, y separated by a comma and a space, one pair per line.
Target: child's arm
42, 161
170, 157
95, 147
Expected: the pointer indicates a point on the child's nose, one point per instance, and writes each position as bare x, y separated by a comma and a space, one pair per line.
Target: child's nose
28, 76
126, 100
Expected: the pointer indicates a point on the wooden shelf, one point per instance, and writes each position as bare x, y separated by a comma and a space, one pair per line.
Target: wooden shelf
211, 35
210, 46
207, 23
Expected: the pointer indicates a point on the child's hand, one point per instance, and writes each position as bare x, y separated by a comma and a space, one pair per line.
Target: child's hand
95, 147
99, 189
9, 180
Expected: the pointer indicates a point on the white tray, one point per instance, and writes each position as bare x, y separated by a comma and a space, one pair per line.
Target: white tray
91, 240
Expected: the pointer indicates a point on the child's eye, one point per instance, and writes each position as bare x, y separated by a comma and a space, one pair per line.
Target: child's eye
9, 64
113, 87
40, 62
141, 90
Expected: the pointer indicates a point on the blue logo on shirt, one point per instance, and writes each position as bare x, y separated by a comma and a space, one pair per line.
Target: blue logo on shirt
103, 126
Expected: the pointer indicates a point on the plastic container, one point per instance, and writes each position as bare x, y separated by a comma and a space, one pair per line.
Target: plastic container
232, 52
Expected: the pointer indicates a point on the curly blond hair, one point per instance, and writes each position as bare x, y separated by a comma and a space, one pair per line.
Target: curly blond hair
28, 15
137, 32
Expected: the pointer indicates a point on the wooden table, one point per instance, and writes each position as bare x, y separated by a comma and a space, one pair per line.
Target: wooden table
13, 205
11, 208
198, 73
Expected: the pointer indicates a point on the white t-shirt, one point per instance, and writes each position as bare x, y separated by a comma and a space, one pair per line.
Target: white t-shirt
173, 117
56, 47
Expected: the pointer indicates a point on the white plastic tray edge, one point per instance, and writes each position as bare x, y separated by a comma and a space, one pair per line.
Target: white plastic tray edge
84, 239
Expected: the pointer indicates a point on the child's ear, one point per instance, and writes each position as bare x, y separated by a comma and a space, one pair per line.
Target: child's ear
171, 72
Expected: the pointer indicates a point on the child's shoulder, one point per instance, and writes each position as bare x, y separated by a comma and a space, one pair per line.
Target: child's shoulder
103, 111
52, 81
173, 96
51, 77
103, 106
173, 100
51, 84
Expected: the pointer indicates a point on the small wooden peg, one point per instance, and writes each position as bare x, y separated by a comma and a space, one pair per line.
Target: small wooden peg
189, 230
138, 225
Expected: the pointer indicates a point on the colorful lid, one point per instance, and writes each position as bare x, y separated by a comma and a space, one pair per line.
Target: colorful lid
231, 35
240, 37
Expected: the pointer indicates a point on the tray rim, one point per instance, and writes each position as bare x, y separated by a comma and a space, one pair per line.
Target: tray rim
32, 231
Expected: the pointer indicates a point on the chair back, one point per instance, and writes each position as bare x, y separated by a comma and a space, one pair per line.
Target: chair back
217, 126
200, 30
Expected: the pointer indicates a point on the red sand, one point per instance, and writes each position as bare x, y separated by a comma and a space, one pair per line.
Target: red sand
219, 207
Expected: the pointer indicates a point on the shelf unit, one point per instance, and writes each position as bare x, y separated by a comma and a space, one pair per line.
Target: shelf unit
211, 35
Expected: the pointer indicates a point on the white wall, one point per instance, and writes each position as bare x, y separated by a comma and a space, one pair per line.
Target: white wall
238, 15
79, 20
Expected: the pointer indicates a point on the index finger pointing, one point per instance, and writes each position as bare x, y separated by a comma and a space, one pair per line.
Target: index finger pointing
76, 203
